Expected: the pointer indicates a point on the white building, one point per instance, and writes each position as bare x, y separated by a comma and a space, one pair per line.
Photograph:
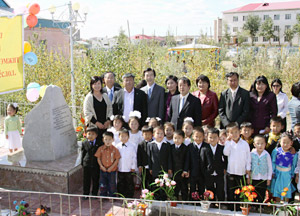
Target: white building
283, 15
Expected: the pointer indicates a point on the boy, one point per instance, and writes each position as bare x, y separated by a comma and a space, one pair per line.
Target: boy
239, 161
214, 164
296, 142
193, 162
89, 163
179, 152
169, 129
127, 164
142, 155
108, 157
246, 133
273, 137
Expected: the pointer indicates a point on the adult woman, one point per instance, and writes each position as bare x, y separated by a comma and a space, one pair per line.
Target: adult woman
209, 100
171, 83
294, 104
282, 100
263, 106
97, 107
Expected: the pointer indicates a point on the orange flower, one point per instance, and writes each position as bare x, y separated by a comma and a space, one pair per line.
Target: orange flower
79, 128
251, 187
82, 120
245, 188
247, 194
254, 195
38, 211
283, 194
237, 191
285, 189
250, 198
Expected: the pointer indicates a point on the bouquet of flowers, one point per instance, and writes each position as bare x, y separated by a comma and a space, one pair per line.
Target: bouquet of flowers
80, 130
21, 208
207, 195
42, 211
246, 193
166, 184
137, 208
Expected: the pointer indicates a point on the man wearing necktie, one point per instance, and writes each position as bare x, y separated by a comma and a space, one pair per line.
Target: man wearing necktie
110, 85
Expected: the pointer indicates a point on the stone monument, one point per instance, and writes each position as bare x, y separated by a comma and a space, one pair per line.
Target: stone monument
49, 132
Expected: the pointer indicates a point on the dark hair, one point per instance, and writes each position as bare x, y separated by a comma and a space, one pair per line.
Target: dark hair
198, 129
203, 78
288, 135
213, 131
158, 128
119, 117
92, 129
123, 130
155, 119
185, 80
12, 106
108, 133
296, 90
146, 128
171, 77
180, 133
231, 74
223, 131
109, 72
133, 118
297, 125
95, 79
141, 84
232, 125
169, 124
187, 122
149, 69
277, 81
246, 125
276, 119
260, 136
264, 80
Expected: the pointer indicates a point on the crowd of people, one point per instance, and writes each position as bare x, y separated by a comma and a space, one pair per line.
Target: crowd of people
148, 130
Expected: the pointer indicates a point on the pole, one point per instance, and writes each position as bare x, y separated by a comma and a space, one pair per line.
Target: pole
128, 30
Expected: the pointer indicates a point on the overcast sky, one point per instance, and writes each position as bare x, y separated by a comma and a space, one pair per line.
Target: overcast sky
106, 17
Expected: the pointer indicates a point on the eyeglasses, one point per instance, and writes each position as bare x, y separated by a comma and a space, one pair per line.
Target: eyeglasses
276, 86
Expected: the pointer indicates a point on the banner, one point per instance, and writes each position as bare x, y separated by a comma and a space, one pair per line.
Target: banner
11, 54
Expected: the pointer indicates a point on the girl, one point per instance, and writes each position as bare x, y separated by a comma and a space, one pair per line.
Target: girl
118, 123
169, 129
135, 135
12, 128
223, 137
153, 122
284, 163
188, 127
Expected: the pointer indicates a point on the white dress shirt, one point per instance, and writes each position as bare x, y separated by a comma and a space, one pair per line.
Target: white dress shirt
198, 145
158, 144
239, 158
180, 102
214, 148
169, 141
187, 141
128, 159
136, 138
116, 135
267, 175
128, 103
233, 92
282, 104
150, 87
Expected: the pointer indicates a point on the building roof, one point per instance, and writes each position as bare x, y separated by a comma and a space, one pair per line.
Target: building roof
254, 7
48, 23
3, 4
146, 37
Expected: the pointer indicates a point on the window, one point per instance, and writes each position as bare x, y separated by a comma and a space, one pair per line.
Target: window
245, 18
235, 29
276, 28
265, 39
276, 17
276, 39
285, 39
235, 18
266, 17
287, 27
288, 16
255, 39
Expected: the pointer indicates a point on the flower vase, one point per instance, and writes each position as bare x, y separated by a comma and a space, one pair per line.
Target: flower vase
205, 205
173, 204
143, 209
245, 210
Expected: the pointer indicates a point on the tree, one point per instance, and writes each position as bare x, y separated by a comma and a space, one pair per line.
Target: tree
289, 35
242, 36
267, 30
252, 25
226, 34
296, 27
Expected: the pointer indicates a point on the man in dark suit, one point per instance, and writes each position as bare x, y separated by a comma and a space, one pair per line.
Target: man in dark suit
155, 94
130, 99
184, 105
234, 102
110, 85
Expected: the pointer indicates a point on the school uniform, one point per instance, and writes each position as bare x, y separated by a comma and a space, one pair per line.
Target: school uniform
142, 161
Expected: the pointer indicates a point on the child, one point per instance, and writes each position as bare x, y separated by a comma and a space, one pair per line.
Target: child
108, 158
187, 127
169, 129
142, 155
179, 154
239, 161
284, 164
135, 135
223, 137
153, 122
261, 167
205, 129
12, 128
273, 137
118, 123
296, 143
246, 133
89, 162
214, 164
127, 165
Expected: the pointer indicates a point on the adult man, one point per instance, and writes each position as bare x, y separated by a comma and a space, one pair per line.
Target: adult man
130, 99
234, 102
184, 105
110, 86
155, 95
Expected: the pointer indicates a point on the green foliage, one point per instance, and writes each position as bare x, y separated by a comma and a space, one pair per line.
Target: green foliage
267, 29
226, 35
289, 35
252, 26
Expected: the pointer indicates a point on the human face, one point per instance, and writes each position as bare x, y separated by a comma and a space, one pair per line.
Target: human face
183, 87
234, 133
117, 124
203, 86
108, 140
169, 132
187, 129
97, 86
109, 80
233, 82
171, 86
10, 111
276, 127
91, 135
178, 140
123, 137
212, 139
198, 137
260, 144
286, 144
223, 139
147, 136
152, 123
276, 87
246, 132
260, 87
149, 77
128, 83
297, 131
159, 135
134, 125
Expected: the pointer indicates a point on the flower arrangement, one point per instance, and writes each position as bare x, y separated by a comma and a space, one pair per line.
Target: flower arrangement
207, 195
137, 208
80, 130
166, 184
42, 211
246, 193
21, 208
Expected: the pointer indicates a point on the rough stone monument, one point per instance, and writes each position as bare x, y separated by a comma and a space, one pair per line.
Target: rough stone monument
49, 132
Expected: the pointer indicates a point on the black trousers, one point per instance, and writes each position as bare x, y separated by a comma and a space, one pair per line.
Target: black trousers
233, 182
197, 183
216, 185
91, 175
125, 185
260, 189
182, 186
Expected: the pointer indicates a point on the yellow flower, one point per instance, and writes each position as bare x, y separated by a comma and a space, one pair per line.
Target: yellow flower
245, 188
283, 194
237, 191
285, 189
251, 187
250, 198
247, 194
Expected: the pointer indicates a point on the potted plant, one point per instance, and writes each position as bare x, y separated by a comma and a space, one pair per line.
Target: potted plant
207, 195
247, 194
22, 208
42, 211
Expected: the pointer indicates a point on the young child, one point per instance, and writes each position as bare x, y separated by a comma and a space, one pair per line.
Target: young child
187, 128
118, 123
108, 158
246, 133
239, 161
142, 155
135, 135
284, 164
169, 129
12, 128
205, 129
261, 167
214, 164
179, 155
296, 143
223, 137
127, 165
272, 138
153, 122
89, 162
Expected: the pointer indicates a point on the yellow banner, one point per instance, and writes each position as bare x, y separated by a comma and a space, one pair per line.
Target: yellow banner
11, 54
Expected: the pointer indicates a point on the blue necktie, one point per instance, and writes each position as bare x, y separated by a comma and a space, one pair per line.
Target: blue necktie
111, 96
149, 93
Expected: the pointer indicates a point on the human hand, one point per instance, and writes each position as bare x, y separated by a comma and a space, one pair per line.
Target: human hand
229, 137
140, 170
170, 173
267, 130
6, 136
106, 124
132, 170
248, 181
109, 169
100, 125
268, 182
150, 171
187, 174
103, 169
292, 150
297, 178
183, 174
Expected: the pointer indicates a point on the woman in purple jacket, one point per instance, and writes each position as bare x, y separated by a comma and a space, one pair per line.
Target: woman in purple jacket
263, 105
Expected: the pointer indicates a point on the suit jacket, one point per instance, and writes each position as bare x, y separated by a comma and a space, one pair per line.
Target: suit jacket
234, 111
142, 154
168, 98
178, 158
294, 109
156, 101
116, 88
159, 160
88, 152
191, 108
139, 104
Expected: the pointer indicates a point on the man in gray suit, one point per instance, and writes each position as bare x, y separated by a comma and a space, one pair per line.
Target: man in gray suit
155, 95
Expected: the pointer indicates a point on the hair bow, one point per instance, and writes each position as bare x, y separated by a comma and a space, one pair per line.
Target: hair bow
135, 113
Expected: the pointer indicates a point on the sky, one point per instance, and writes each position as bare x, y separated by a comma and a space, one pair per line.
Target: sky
151, 17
